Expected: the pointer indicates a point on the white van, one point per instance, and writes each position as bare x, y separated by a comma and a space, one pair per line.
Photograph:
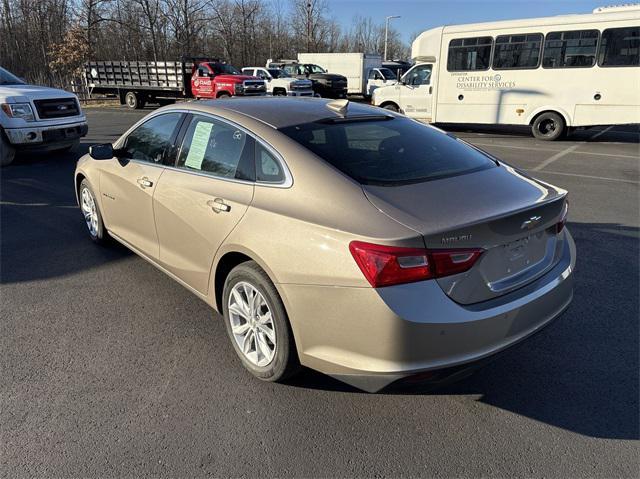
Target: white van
552, 73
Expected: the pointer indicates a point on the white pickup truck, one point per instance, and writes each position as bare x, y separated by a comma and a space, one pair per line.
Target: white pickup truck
37, 118
279, 83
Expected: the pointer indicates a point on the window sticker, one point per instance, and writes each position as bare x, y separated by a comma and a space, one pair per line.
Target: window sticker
199, 144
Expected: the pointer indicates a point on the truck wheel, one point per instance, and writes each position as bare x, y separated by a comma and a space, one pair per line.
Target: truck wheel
7, 152
391, 106
224, 95
134, 100
549, 126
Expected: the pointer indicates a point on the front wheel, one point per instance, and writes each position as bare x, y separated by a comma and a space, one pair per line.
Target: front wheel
392, 107
223, 96
257, 324
7, 152
91, 212
549, 126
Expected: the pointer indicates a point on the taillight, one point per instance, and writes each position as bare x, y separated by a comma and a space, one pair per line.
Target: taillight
563, 218
388, 265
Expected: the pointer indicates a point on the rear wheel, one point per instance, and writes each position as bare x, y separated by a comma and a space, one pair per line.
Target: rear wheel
224, 95
134, 100
548, 126
257, 324
91, 212
7, 152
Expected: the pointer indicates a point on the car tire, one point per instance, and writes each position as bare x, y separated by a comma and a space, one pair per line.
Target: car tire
284, 363
391, 107
89, 205
7, 152
223, 96
549, 126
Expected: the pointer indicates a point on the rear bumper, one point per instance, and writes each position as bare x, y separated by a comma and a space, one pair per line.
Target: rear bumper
370, 338
45, 137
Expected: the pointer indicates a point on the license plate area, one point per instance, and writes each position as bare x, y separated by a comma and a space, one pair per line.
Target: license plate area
519, 261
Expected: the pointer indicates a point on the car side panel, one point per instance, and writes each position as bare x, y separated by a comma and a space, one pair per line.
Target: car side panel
190, 230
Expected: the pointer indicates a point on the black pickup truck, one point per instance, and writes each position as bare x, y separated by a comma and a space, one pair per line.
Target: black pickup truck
328, 85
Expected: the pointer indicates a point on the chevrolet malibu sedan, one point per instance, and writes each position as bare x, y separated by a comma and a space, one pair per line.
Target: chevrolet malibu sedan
337, 236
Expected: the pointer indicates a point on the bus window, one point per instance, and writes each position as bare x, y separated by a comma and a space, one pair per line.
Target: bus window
620, 47
517, 51
570, 49
468, 54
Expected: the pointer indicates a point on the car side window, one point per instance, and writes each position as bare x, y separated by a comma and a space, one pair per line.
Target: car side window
153, 140
218, 148
268, 168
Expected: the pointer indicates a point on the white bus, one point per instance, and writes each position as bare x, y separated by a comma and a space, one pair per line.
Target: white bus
553, 73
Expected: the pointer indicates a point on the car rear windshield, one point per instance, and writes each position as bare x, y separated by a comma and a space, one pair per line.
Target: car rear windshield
390, 151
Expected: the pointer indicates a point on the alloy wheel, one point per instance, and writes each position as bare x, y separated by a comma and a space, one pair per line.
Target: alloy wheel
88, 206
252, 324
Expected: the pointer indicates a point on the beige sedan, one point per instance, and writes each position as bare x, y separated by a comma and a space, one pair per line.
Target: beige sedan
338, 236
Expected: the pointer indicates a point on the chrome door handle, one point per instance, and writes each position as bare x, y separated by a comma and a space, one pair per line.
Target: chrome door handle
144, 182
218, 205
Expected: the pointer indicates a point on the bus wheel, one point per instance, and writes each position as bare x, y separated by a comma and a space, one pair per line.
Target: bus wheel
548, 126
134, 100
391, 106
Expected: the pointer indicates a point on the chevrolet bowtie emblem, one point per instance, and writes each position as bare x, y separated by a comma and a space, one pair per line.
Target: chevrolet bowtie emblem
530, 223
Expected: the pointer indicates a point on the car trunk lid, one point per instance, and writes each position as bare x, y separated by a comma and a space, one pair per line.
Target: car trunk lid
511, 216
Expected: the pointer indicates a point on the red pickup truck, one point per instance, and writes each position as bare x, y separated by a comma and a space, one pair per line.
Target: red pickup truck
139, 83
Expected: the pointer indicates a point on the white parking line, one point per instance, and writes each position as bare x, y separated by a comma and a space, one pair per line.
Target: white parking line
498, 145
566, 151
604, 178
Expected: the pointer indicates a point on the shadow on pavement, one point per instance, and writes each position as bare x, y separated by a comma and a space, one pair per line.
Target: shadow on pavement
43, 233
617, 134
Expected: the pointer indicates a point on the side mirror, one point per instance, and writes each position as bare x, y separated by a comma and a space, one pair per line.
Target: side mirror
101, 152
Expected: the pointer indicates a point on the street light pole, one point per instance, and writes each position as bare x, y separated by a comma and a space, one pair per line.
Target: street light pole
386, 33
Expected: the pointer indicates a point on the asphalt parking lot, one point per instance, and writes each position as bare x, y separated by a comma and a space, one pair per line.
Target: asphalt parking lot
110, 368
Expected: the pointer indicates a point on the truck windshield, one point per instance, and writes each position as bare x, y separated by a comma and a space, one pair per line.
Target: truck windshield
224, 69
278, 73
388, 152
388, 74
315, 69
8, 78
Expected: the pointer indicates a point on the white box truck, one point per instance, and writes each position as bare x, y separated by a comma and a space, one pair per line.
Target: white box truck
364, 71
552, 74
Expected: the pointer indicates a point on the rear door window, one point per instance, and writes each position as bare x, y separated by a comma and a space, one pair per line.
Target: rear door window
217, 148
389, 152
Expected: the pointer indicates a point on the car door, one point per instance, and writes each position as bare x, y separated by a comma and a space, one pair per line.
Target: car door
374, 80
128, 182
203, 85
199, 202
416, 94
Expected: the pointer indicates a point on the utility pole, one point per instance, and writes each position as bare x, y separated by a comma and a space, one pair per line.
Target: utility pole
308, 26
386, 33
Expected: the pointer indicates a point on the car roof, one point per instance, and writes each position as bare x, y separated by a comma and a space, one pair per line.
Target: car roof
284, 112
